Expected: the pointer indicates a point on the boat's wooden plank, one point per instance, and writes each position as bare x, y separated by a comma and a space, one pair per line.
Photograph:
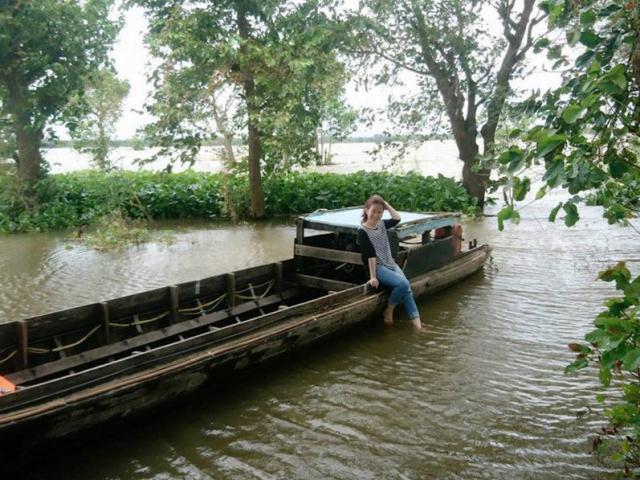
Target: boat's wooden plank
139, 341
203, 288
254, 275
139, 303
328, 254
321, 239
57, 323
319, 282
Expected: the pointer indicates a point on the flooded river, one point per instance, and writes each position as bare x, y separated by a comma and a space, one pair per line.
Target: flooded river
479, 393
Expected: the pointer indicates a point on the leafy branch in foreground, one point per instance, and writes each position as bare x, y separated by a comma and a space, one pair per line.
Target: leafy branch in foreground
588, 139
614, 348
588, 144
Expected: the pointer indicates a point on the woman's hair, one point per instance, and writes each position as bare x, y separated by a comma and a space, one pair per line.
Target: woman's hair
372, 200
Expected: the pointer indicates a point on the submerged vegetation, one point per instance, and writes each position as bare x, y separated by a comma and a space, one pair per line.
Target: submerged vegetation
81, 199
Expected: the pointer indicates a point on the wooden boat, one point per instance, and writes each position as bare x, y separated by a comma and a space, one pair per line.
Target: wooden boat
69, 370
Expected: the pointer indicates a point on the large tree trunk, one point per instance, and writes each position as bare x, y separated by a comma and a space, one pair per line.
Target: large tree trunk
255, 154
474, 182
255, 145
28, 137
29, 157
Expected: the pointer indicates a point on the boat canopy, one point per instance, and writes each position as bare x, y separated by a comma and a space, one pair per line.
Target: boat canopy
348, 220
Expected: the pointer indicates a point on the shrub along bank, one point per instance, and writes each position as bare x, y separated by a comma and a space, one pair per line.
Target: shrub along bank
81, 198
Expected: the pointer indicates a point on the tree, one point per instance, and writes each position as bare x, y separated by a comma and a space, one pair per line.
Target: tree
277, 56
48, 49
587, 141
103, 97
463, 69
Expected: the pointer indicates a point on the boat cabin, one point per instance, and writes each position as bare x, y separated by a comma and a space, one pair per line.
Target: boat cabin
419, 243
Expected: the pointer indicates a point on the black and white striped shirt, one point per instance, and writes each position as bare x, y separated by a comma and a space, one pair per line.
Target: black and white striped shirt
374, 242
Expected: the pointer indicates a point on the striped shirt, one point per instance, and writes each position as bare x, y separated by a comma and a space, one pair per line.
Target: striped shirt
375, 242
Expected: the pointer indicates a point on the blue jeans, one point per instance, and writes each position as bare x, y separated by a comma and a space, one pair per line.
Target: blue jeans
401, 288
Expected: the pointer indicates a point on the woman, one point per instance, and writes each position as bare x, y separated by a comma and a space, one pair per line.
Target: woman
376, 256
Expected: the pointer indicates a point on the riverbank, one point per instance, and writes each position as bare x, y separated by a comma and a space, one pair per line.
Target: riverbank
79, 199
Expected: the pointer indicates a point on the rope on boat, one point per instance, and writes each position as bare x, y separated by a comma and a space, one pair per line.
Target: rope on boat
38, 350
204, 307
248, 289
139, 322
252, 288
8, 357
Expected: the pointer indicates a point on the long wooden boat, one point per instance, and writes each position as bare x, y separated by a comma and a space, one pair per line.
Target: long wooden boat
63, 372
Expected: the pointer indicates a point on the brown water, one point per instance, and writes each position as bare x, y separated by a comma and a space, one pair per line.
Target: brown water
479, 393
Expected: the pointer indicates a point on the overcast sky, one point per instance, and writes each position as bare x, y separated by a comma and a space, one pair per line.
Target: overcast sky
131, 61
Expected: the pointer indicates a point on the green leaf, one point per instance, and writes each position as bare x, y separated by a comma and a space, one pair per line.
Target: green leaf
617, 75
631, 360
619, 273
600, 398
555, 173
554, 53
610, 357
590, 39
503, 215
605, 376
554, 212
521, 188
571, 216
514, 157
588, 18
577, 365
549, 143
541, 193
572, 113
618, 169
540, 44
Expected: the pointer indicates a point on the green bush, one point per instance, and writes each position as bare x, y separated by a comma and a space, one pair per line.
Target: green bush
81, 198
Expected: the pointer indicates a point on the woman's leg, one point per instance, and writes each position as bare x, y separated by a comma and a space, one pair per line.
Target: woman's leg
409, 302
401, 293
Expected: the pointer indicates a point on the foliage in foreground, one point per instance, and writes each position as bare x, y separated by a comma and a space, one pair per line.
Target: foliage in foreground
81, 198
614, 347
588, 142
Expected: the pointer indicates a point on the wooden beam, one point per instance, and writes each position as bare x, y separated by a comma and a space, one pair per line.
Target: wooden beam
173, 296
231, 290
341, 256
23, 343
323, 283
104, 309
278, 273
300, 231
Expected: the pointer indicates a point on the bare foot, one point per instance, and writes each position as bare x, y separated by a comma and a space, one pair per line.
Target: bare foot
417, 324
388, 315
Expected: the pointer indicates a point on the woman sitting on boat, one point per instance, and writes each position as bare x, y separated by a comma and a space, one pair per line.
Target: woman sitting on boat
376, 256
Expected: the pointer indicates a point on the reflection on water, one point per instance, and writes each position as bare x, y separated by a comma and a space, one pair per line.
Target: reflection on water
479, 393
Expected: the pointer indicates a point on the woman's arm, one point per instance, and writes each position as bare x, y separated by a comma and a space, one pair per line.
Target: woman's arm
392, 211
373, 279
